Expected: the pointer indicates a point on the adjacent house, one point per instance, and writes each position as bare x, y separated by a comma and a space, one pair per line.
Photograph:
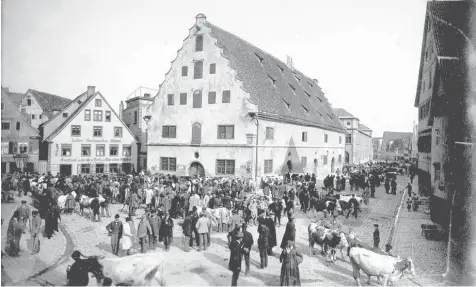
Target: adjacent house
396, 145
358, 139
19, 138
39, 107
228, 108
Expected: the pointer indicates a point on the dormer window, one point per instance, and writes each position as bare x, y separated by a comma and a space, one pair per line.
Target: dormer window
292, 88
330, 116
79, 102
310, 84
281, 69
305, 109
320, 115
297, 78
199, 43
260, 59
98, 102
320, 100
309, 95
28, 101
272, 80
288, 105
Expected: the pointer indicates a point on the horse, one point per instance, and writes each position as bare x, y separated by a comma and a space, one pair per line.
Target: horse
387, 267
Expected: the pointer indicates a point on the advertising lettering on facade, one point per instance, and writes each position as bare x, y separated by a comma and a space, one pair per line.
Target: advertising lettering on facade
76, 140
96, 159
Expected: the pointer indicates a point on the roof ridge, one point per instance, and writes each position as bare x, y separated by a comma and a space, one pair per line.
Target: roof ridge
36, 91
72, 101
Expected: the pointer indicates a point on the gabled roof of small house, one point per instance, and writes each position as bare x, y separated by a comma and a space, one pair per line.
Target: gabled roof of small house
7, 97
392, 136
341, 113
364, 127
16, 98
64, 108
81, 108
451, 26
49, 102
279, 91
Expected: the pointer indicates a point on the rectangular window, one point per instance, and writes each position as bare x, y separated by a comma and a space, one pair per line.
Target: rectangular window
269, 133
170, 99
32, 117
118, 132
226, 132
28, 102
108, 116
212, 98
268, 166
18, 127
85, 168
5, 126
3, 106
97, 132
114, 150
340, 158
197, 100
198, 70
100, 150
85, 150
183, 98
22, 147
326, 138
98, 102
199, 43
184, 71
168, 163
39, 117
304, 136
100, 168
136, 117
75, 131
225, 96
303, 161
87, 115
126, 150
169, 132
437, 136
113, 168
66, 149
5, 148
225, 167
65, 115
348, 138
324, 159
212, 69
340, 139
97, 116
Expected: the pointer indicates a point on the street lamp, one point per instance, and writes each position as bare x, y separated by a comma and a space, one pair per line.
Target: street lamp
254, 116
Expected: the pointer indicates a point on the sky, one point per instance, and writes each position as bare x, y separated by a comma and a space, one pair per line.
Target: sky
365, 54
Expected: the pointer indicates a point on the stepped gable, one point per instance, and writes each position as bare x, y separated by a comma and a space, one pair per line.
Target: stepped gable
278, 90
49, 102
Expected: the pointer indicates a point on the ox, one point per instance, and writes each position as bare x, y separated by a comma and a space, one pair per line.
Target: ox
387, 267
325, 238
324, 206
92, 204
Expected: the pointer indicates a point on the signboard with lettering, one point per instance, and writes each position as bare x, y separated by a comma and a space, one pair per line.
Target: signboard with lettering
80, 140
96, 159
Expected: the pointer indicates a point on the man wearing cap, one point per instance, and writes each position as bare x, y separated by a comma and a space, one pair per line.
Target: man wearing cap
202, 227
77, 274
35, 227
246, 246
376, 236
263, 242
24, 213
235, 258
115, 229
155, 223
143, 231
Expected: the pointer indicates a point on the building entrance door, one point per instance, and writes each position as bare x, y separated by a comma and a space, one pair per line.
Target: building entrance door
65, 169
196, 168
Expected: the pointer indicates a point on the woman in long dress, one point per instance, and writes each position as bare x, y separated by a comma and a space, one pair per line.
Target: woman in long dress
290, 259
14, 234
128, 237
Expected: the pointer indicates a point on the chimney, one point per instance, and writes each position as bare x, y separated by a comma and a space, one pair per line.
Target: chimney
290, 62
200, 19
91, 90
121, 110
146, 95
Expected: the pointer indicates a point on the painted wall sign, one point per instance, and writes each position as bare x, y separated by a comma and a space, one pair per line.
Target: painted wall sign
79, 140
96, 159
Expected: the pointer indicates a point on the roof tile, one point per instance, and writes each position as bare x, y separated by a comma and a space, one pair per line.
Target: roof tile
49, 102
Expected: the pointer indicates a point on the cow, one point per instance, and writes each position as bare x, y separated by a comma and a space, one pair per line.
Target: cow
387, 267
325, 238
92, 204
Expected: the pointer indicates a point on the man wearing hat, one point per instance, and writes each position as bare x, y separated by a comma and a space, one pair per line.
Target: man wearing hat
235, 257
247, 243
376, 236
24, 213
143, 231
115, 229
35, 227
77, 274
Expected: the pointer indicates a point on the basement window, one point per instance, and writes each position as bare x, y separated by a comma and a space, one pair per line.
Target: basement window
288, 105
272, 80
260, 59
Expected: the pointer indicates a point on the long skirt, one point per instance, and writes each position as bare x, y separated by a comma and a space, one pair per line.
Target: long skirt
13, 247
289, 275
35, 243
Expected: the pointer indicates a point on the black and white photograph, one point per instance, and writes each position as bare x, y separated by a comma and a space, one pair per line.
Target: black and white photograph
238, 143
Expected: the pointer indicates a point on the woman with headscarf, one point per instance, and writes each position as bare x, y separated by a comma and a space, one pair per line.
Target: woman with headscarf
14, 233
290, 259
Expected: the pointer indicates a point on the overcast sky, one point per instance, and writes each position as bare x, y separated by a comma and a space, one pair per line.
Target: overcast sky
365, 54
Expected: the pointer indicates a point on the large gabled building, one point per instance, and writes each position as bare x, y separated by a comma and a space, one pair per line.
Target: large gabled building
39, 107
87, 137
228, 108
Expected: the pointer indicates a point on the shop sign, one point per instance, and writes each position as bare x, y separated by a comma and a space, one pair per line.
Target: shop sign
79, 140
96, 159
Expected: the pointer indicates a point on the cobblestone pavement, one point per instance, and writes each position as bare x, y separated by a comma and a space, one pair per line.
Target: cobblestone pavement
20, 268
211, 267
428, 256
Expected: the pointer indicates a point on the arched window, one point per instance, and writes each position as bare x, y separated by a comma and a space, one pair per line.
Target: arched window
199, 43
198, 70
197, 99
196, 133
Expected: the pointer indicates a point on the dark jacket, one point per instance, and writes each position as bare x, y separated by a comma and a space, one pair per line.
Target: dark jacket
154, 224
263, 238
167, 228
187, 226
235, 256
78, 273
115, 228
289, 234
247, 240
377, 235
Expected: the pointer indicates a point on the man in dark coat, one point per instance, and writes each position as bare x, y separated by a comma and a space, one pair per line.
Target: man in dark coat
289, 233
272, 233
154, 222
187, 231
376, 236
394, 187
355, 205
115, 230
246, 247
235, 258
263, 244
194, 219
77, 274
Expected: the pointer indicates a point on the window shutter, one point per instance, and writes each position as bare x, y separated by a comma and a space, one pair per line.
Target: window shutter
10, 147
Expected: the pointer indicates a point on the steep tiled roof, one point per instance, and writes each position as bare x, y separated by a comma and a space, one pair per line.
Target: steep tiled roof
278, 90
49, 102
341, 113
450, 24
16, 98
391, 136
363, 127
